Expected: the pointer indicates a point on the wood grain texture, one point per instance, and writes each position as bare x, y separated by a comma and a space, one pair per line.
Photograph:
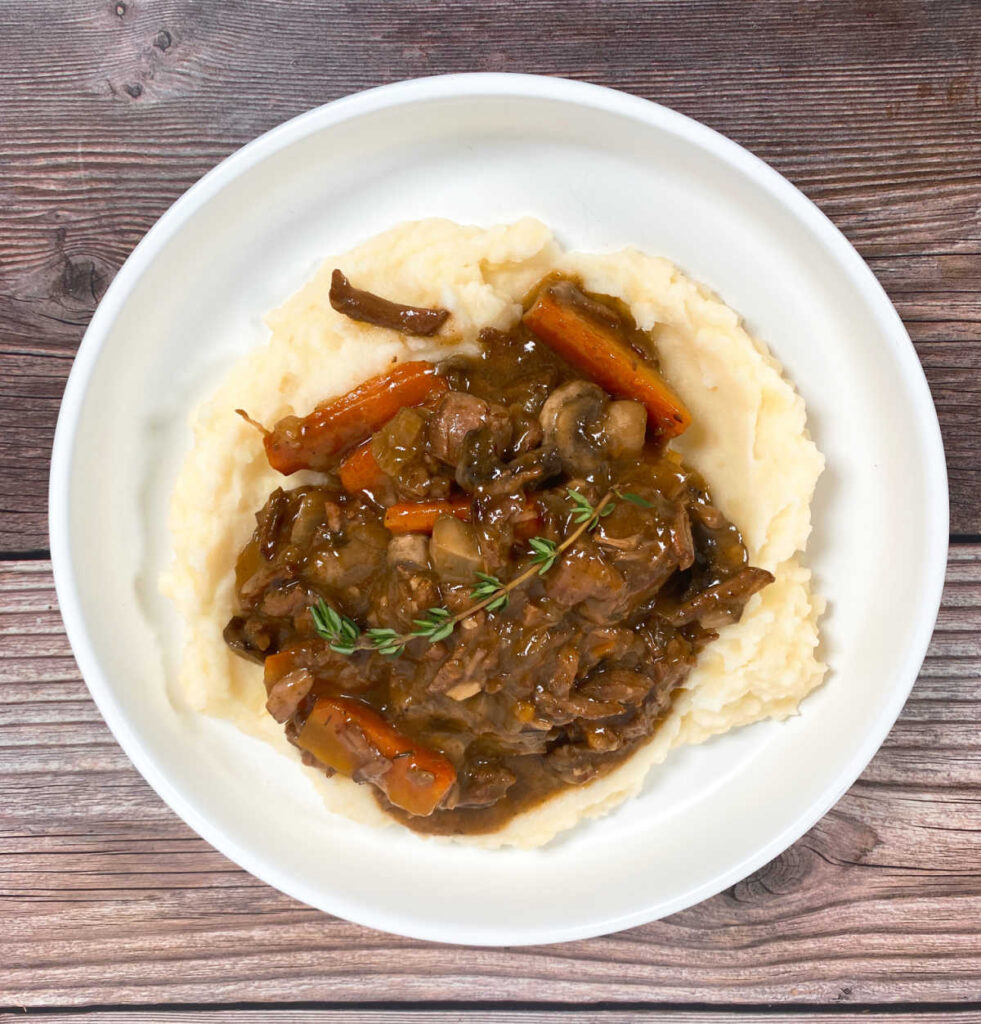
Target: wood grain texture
109, 110
495, 1016
105, 897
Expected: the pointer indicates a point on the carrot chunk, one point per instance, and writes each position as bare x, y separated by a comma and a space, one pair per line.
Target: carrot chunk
278, 665
348, 736
595, 349
421, 516
359, 471
309, 442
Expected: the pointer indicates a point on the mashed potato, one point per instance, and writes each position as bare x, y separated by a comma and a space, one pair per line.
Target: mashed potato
748, 439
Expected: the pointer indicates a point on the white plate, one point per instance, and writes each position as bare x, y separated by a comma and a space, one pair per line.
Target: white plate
604, 170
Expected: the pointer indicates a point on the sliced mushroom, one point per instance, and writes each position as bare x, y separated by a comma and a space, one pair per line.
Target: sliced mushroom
572, 420
625, 428
453, 549
372, 309
410, 550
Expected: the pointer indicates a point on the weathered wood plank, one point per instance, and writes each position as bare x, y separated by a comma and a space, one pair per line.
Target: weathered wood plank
497, 1016
871, 108
106, 897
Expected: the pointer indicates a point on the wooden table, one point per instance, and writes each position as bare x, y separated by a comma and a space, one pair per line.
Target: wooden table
108, 111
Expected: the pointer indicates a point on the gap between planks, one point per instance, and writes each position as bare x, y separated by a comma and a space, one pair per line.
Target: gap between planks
106, 897
871, 109
499, 1015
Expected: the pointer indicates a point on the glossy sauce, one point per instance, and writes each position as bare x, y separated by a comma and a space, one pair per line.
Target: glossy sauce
569, 679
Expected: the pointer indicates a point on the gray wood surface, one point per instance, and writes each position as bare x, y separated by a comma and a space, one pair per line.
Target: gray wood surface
109, 110
495, 1016
108, 898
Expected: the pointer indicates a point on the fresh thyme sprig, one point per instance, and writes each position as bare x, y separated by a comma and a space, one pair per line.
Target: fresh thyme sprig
385, 641
489, 593
492, 587
343, 634
435, 625
544, 553
583, 510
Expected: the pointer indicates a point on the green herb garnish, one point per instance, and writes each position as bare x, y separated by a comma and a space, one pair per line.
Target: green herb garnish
489, 593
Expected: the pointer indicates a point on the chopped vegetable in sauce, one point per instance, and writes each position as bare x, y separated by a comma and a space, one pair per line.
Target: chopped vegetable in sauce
502, 576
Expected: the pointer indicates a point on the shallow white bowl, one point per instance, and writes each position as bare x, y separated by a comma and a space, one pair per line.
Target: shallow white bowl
604, 170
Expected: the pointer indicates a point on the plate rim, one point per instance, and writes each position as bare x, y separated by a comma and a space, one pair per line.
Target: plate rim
517, 86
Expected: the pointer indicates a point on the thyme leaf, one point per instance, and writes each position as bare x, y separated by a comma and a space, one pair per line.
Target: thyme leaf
544, 553
386, 641
635, 499
434, 626
584, 512
486, 586
341, 633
